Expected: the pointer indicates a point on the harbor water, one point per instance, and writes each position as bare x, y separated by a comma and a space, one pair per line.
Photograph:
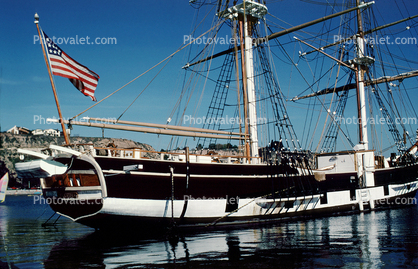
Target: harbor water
379, 239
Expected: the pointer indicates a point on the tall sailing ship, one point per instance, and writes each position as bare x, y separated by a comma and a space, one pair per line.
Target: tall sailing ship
272, 177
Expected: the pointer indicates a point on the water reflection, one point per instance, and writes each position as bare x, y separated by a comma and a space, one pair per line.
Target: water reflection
371, 240
375, 239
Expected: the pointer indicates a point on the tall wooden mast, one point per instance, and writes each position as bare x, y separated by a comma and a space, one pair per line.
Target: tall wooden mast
362, 62
244, 91
247, 13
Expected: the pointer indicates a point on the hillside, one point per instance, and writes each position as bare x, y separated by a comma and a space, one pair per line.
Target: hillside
9, 143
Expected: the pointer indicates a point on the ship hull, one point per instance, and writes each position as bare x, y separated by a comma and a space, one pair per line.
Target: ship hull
155, 215
155, 194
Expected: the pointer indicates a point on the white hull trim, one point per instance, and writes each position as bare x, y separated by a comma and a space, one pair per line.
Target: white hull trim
253, 207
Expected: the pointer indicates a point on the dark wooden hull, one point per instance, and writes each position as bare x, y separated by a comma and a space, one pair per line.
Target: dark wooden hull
159, 194
213, 180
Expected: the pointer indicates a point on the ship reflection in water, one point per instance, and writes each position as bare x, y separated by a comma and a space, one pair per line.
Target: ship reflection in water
370, 240
374, 239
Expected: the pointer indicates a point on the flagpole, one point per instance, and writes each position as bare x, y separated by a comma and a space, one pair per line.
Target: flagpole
67, 141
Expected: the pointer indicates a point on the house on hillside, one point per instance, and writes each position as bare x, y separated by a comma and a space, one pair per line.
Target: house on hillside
38, 132
49, 132
19, 130
52, 132
46, 132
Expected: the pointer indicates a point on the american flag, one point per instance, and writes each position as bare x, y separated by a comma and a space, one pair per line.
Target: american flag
63, 65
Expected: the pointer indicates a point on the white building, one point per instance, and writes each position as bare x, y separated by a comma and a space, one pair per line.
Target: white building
38, 132
47, 132
18, 130
52, 132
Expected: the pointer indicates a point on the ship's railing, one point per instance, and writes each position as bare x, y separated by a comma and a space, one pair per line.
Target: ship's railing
139, 153
207, 158
134, 153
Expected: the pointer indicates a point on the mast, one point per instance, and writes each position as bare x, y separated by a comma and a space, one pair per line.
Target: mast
41, 38
362, 61
248, 12
251, 98
244, 91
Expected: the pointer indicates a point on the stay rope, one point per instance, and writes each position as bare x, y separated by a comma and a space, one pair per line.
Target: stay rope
165, 59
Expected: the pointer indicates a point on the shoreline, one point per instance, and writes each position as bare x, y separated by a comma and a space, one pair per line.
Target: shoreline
24, 192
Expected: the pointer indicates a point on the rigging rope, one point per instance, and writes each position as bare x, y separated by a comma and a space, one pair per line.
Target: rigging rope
165, 59
143, 90
304, 79
330, 105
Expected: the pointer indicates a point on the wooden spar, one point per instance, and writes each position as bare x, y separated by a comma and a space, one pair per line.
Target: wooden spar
165, 126
326, 91
307, 24
237, 79
148, 130
351, 86
329, 56
399, 77
261, 40
365, 33
67, 141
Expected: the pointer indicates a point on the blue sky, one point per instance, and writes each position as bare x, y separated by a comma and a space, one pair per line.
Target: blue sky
146, 32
